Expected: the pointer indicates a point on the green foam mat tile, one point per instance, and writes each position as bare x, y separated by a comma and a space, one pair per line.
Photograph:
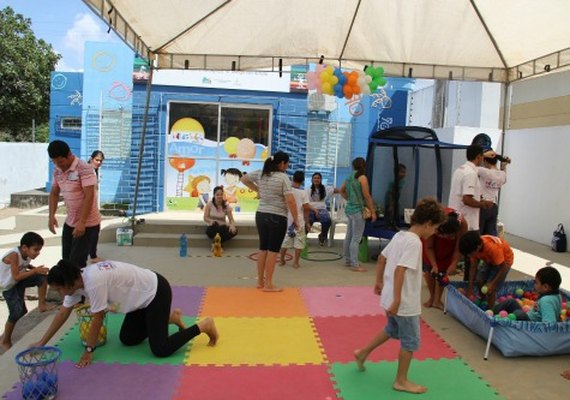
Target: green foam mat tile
445, 379
115, 352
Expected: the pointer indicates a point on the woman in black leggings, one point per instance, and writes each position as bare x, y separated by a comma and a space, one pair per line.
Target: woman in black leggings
143, 295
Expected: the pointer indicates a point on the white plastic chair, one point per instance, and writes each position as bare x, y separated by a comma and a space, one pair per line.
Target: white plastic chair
337, 215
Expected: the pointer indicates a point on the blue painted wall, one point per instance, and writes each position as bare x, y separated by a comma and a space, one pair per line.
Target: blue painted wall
66, 99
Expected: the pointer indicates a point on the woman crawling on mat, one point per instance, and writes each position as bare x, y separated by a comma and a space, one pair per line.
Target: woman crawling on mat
141, 294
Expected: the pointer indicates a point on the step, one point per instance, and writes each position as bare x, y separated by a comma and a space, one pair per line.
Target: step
194, 240
188, 227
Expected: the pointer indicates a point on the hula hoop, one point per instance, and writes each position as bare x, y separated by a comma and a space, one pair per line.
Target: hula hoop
335, 256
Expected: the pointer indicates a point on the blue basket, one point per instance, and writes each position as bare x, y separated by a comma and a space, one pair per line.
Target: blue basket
38, 372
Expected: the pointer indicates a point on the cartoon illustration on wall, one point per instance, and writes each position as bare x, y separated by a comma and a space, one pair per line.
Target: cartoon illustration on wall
199, 187
180, 164
197, 162
244, 149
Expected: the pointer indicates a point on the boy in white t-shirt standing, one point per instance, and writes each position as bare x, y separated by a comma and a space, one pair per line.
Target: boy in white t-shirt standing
399, 284
297, 238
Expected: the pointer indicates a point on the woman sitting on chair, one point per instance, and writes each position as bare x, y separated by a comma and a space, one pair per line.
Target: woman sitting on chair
215, 214
318, 196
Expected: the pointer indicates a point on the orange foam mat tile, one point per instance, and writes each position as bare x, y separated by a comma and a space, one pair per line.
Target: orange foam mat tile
252, 302
259, 341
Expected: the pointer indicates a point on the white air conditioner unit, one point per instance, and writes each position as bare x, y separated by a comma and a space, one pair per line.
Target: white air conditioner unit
320, 102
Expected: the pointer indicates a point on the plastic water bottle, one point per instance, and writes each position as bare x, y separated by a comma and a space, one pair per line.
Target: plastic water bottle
291, 231
183, 245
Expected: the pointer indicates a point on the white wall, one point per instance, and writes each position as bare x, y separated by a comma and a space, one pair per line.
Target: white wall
24, 167
536, 197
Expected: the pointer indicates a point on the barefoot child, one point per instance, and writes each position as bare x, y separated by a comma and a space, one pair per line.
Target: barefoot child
399, 283
441, 253
16, 274
297, 238
141, 294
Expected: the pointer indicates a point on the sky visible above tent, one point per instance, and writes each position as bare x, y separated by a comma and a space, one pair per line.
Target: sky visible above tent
487, 40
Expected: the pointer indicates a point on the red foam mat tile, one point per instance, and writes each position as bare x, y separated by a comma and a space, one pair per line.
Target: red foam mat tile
260, 382
340, 336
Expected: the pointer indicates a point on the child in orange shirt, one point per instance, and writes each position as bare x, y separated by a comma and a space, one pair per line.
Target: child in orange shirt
496, 256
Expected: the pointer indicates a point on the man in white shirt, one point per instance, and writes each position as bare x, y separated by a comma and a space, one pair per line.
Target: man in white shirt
465, 192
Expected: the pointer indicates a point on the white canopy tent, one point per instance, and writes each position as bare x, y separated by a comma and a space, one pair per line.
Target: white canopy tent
489, 40
484, 40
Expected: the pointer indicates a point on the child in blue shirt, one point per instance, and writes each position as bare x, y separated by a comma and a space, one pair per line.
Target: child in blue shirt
549, 304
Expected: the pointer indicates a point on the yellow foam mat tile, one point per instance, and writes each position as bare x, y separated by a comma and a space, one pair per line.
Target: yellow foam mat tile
259, 341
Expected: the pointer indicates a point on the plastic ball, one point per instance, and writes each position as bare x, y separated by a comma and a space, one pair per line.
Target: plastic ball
519, 292
28, 390
526, 308
484, 289
490, 313
563, 312
503, 314
512, 317
50, 380
472, 297
484, 305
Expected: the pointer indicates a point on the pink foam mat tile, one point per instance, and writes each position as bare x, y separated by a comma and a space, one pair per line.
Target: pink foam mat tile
340, 336
341, 301
297, 382
112, 381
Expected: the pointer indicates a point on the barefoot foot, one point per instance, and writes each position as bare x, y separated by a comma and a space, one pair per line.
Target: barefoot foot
296, 265
176, 319
282, 262
272, 289
360, 359
409, 387
428, 304
438, 305
208, 327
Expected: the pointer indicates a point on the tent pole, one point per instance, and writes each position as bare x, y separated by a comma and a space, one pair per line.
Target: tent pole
506, 113
141, 146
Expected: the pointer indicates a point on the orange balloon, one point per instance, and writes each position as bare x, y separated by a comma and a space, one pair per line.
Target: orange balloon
356, 89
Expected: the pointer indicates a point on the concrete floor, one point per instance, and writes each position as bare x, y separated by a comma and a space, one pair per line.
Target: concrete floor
513, 378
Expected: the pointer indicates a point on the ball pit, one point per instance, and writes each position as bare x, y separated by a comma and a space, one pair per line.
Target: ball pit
511, 338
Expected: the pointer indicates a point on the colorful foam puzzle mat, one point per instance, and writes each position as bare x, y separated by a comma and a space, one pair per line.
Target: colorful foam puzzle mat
296, 344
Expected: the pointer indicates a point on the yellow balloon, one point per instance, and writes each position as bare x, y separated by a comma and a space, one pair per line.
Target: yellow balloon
329, 70
264, 154
334, 80
231, 144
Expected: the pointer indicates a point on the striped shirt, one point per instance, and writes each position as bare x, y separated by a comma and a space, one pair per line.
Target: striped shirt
71, 184
272, 191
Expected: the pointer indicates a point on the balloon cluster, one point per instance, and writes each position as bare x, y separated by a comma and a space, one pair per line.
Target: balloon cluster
334, 82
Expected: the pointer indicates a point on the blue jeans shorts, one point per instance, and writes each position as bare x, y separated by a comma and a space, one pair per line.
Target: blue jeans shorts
15, 296
406, 329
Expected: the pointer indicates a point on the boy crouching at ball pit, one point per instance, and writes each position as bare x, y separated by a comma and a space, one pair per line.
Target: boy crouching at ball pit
548, 306
16, 274
399, 284
490, 259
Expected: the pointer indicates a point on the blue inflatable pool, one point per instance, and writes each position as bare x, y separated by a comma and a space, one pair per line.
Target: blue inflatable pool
512, 338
